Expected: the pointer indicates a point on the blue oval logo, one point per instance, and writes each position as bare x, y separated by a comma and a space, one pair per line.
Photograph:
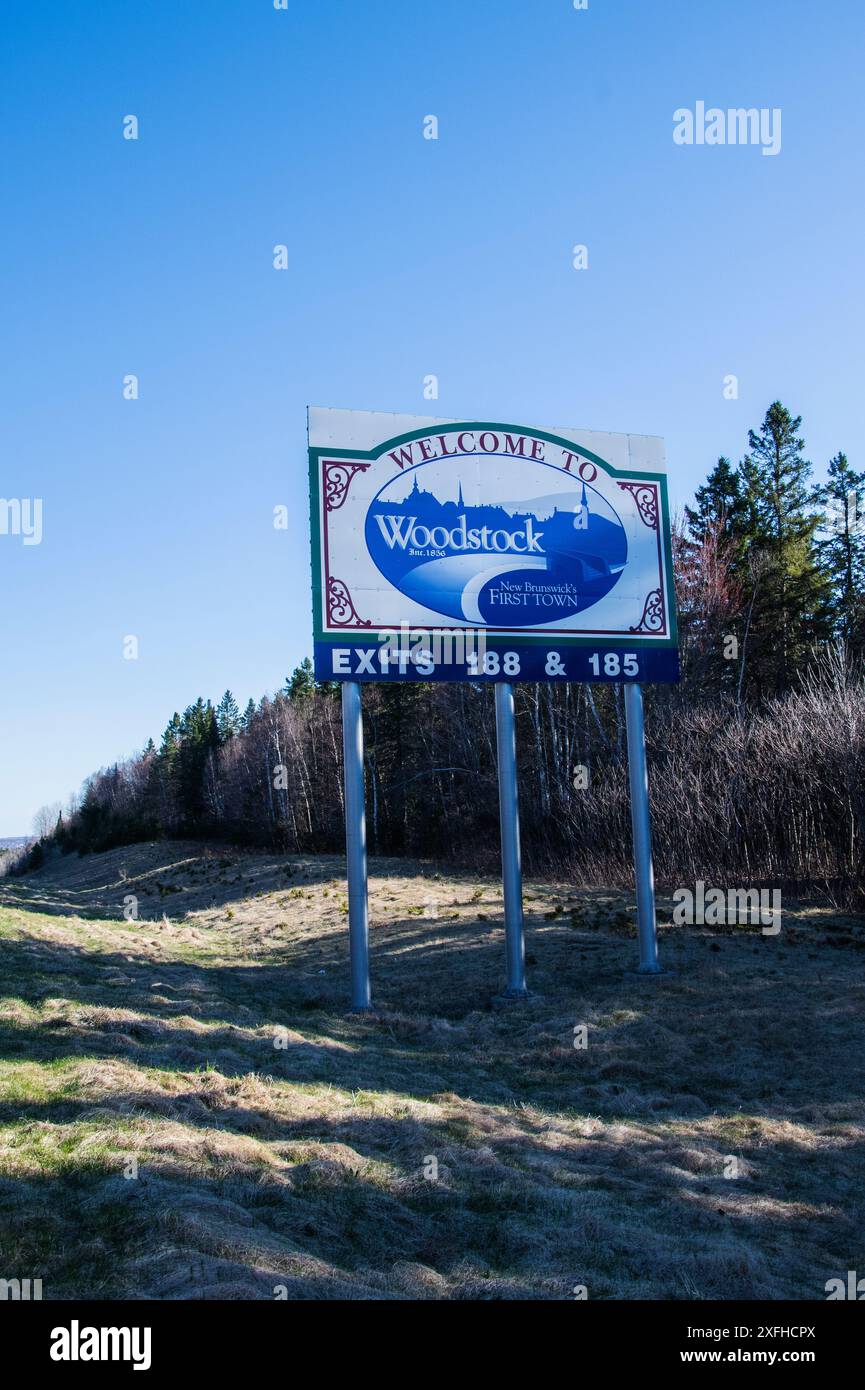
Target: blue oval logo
513, 563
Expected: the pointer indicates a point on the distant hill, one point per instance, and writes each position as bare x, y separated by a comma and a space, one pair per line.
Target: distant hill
10, 850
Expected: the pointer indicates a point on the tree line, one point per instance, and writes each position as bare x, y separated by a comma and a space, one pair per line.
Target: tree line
757, 756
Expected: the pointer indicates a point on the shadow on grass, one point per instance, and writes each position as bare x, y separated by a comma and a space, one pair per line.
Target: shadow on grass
634, 1202
495, 1224
693, 1042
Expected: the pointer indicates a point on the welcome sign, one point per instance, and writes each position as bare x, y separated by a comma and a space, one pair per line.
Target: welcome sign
470, 550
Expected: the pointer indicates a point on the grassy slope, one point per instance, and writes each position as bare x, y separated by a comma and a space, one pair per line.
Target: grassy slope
303, 1165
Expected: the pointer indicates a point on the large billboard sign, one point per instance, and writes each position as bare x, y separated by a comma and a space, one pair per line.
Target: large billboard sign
478, 550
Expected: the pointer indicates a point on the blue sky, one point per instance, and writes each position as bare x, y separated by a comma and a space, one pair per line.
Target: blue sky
406, 257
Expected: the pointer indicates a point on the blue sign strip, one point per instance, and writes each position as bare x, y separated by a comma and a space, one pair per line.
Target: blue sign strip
604, 664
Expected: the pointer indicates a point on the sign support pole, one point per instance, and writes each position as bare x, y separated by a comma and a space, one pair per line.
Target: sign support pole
638, 777
355, 846
509, 819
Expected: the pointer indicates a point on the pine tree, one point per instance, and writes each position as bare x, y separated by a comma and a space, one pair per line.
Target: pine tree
301, 683
170, 741
841, 550
248, 716
788, 593
748, 524
719, 502
781, 473
227, 717
198, 738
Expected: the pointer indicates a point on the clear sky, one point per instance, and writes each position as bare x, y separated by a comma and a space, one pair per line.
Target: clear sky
407, 257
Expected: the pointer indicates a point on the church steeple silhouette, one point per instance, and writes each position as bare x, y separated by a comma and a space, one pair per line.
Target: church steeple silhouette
460, 502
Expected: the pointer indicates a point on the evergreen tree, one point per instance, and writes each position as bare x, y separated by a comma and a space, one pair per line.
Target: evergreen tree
748, 524
719, 502
248, 716
301, 683
171, 738
781, 474
199, 736
841, 550
789, 599
227, 717
166, 766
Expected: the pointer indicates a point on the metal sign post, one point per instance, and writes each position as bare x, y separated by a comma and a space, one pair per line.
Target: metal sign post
645, 875
509, 818
355, 845
489, 552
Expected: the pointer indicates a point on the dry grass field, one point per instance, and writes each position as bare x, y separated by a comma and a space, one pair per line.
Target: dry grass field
284, 1147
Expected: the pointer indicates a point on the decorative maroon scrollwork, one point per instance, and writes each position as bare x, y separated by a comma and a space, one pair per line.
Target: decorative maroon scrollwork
646, 497
341, 611
654, 618
337, 481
